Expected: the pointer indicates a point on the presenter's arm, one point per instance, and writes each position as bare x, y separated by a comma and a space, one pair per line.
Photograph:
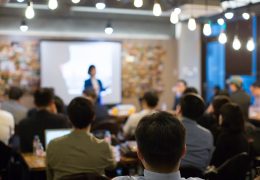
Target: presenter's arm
101, 86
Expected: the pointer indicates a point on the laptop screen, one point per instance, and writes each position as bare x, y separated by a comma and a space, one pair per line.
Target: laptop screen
53, 134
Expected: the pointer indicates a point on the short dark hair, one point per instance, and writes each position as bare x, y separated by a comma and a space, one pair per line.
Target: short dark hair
43, 97
161, 140
233, 119
81, 112
192, 106
59, 103
218, 102
182, 81
151, 98
15, 93
90, 68
191, 90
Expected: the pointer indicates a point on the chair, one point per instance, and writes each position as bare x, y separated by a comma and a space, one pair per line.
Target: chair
189, 171
84, 176
109, 125
234, 168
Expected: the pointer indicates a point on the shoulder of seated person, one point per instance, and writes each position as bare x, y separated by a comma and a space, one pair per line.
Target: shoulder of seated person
129, 178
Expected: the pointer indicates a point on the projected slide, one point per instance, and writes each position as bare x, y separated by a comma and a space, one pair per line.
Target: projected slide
64, 66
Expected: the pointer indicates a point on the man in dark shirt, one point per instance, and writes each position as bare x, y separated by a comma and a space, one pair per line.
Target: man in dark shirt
44, 118
238, 95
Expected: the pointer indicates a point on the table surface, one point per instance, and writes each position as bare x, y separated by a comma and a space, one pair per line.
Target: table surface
38, 163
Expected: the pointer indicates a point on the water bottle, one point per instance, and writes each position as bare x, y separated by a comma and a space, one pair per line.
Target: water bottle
36, 141
40, 150
107, 137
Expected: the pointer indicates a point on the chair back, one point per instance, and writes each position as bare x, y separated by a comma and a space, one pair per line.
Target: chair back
85, 176
190, 171
234, 168
109, 125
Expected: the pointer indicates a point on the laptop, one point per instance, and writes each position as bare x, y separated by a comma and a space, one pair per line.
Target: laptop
51, 134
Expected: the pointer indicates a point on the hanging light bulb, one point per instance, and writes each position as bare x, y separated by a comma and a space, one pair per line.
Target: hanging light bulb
192, 24
109, 29
221, 21
229, 15
236, 43
157, 10
24, 27
207, 29
222, 38
246, 16
138, 3
100, 5
75, 1
177, 10
174, 18
20, 1
53, 4
250, 45
29, 12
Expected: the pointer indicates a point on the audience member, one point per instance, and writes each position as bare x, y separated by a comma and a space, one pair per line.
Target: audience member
43, 118
199, 140
254, 110
210, 120
13, 104
190, 90
149, 102
179, 89
160, 146
6, 126
232, 139
237, 95
80, 151
100, 110
60, 106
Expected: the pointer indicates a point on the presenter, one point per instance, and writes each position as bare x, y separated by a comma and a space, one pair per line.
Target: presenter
93, 82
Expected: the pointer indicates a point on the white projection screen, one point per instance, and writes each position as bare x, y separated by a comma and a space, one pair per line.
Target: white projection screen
64, 66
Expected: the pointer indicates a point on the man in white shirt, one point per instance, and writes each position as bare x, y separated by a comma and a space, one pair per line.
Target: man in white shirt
160, 146
6, 126
149, 102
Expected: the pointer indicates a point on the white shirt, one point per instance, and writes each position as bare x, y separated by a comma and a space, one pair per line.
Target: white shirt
6, 126
95, 85
132, 122
149, 175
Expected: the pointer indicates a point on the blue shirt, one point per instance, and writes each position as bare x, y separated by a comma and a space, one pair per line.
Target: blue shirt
199, 143
149, 175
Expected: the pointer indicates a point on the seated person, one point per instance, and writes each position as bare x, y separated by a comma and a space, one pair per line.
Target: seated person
210, 119
254, 109
199, 140
190, 90
148, 102
160, 146
6, 126
14, 106
43, 118
100, 110
232, 139
79, 151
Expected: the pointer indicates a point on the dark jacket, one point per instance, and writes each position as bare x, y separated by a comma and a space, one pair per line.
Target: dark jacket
242, 99
36, 125
228, 145
88, 85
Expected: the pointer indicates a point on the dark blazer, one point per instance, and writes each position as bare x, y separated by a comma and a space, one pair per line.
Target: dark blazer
88, 85
36, 125
243, 100
228, 145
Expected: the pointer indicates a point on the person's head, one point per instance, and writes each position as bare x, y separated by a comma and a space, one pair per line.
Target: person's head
235, 83
192, 106
15, 93
60, 106
216, 90
44, 97
218, 102
190, 90
180, 86
232, 118
150, 100
161, 142
90, 93
81, 112
92, 70
255, 89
